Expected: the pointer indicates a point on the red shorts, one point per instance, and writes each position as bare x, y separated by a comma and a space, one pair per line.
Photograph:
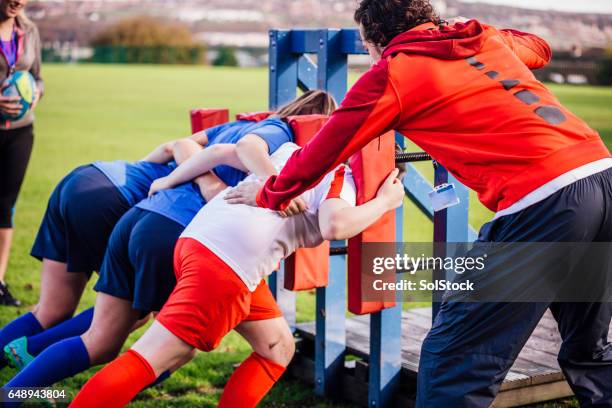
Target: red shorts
209, 299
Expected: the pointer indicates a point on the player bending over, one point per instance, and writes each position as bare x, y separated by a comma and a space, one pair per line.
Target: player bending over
137, 274
88, 203
220, 263
136, 277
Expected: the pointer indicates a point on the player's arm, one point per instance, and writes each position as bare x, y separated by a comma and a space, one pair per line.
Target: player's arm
250, 156
164, 152
371, 108
253, 152
338, 220
200, 138
198, 164
161, 154
209, 184
532, 50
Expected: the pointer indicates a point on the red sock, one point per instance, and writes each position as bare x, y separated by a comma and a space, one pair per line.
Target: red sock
250, 382
117, 383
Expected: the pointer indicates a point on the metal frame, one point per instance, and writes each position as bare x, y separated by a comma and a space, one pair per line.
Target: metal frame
291, 67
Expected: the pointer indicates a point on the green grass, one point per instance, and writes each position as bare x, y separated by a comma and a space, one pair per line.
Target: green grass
95, 112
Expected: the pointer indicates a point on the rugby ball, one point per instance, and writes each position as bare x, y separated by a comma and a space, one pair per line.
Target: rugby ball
23, 85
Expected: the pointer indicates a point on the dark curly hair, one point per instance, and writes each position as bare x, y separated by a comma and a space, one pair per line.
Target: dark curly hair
382, 20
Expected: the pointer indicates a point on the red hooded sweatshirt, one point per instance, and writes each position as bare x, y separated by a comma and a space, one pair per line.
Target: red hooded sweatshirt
465, 94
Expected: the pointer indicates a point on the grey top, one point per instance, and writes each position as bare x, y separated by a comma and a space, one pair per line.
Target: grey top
28, 59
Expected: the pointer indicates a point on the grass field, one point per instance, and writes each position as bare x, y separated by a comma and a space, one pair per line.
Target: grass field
121, 112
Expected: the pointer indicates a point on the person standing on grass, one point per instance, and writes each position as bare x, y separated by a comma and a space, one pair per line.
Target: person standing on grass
20, 47
465, 94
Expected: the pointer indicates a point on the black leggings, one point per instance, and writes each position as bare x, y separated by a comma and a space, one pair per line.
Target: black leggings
15, 150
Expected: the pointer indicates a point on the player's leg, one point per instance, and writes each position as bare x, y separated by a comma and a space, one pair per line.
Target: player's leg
72, 239
40, 371
112, 321
115, 314
58, 289
273, 348
113, 317
20, 352
156, 352
139, 270
271, 339
136, 277
208, 301
60, 293
59, 296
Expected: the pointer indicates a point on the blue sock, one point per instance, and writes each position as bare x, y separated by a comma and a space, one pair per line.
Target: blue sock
25, 325
70, 328
59, 361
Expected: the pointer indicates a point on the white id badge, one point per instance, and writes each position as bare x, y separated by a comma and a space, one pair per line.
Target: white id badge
443, 197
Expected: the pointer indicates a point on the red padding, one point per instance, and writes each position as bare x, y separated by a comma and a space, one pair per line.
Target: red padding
370, 168
307, 268
306, 127
202, 119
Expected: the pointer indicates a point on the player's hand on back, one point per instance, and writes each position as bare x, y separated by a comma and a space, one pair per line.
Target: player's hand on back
244, 193
162, 183
392, 191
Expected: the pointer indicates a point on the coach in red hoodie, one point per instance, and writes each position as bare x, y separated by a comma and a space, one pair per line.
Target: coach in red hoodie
465, 94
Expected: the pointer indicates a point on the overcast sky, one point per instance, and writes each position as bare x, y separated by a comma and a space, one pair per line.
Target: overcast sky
598, 6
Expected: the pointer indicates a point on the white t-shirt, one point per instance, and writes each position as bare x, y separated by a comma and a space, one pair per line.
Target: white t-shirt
252, 240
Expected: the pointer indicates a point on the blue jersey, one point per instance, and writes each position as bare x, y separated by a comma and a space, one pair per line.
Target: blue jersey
133, 180
274, 132
180, 204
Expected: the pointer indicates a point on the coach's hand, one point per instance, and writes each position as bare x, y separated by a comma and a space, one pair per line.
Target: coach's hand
295, 207
9, 105
244, 193
162, 183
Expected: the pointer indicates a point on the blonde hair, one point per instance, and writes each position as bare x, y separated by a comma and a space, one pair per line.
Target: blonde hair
315, 102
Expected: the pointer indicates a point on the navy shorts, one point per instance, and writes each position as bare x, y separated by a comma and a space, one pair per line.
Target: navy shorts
138, 265
81, 214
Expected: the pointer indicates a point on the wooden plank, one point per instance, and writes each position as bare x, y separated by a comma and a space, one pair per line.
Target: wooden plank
533, 394
535, 368
515, 380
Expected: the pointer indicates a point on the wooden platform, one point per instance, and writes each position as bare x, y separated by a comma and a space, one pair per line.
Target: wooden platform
535, 377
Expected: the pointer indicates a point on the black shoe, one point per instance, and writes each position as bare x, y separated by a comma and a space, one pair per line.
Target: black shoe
6, 298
